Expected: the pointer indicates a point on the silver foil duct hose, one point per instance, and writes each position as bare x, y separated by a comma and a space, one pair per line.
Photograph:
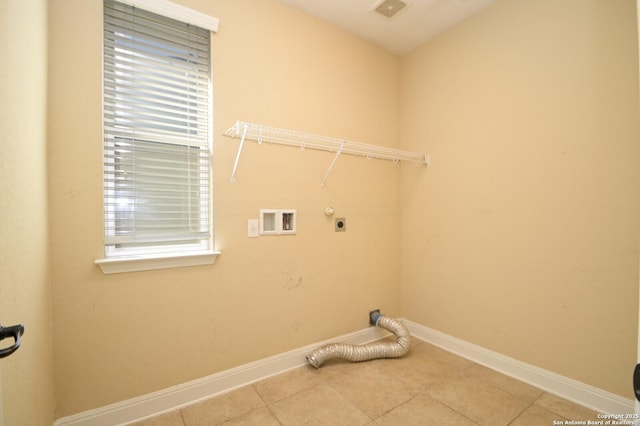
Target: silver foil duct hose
369, 351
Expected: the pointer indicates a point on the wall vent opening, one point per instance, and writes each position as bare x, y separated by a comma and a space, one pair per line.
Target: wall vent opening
389, 8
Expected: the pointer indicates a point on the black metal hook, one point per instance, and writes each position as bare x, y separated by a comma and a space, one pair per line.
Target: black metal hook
14, 331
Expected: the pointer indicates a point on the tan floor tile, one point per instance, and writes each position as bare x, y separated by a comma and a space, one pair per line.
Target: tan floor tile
284, 385
423, 410
482, 403
536, 416
372, 387
420, 373
259, 417
438, 359
402, 375
442, 357
225, 407
173, 418
322, 405
424, 366
565, 408
427, 386
506, 383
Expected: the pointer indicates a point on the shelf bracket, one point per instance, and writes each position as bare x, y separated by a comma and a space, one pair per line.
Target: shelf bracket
244, 135
333, 163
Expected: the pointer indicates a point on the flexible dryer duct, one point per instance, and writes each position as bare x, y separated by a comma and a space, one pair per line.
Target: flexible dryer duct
369, 351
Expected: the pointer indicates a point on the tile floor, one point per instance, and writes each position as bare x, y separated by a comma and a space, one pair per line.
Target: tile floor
428, 386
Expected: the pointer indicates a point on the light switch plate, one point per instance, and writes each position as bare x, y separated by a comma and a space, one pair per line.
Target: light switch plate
253, 228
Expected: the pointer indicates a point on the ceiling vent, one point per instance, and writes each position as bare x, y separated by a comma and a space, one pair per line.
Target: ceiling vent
389, 8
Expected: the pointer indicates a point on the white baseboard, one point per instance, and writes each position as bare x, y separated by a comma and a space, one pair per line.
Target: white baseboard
142, 407
175, 397
573, 390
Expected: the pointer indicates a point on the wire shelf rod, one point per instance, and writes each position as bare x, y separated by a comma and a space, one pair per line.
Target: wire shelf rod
261, 134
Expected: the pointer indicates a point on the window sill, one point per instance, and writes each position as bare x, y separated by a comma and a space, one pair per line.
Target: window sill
116, 266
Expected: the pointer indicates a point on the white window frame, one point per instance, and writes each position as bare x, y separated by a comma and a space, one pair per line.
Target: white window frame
141, 259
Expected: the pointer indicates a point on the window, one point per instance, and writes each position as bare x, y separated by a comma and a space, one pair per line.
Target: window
157, 132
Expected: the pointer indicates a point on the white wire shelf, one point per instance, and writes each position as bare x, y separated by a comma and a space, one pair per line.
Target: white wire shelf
302, 140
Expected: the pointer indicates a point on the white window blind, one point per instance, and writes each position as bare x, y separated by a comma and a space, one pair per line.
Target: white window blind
157, 119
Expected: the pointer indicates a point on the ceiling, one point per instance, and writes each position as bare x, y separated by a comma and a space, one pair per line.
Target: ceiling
415, 24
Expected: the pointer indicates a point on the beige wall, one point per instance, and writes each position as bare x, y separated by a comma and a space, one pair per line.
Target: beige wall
522, 236
26, 378
124, 335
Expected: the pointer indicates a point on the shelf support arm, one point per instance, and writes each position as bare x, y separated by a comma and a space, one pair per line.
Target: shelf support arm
333, 163
235, 165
